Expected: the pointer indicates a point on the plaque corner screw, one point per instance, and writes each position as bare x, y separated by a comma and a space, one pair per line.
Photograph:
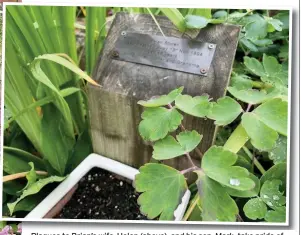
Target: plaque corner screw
115, 54
203, 71
211, 46
123, 33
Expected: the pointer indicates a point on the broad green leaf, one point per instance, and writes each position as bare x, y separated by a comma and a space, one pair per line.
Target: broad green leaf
279, 153
224, 111
255, 209
162, 100
257, 28
168, 147
16, 161
33, 189
241, 82
196, 22
248, 44
220, 14
274, 24
12, 187
276, 216
31, 176
253, 96
277, 172
175, 16
254, 66
205, 12
263, 42
162, 189
217, 163
248, 193
157, 122
274, 114
198, 106
271, 195
262, 137
271, 65
216, 204
7, 117
284, 18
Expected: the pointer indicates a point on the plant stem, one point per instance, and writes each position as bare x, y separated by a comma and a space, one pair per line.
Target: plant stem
190, 160
237, 139
20, 175
189, 170
256, 162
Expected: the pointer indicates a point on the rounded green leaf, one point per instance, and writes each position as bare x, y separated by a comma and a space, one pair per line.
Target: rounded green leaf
162, 189
276, 216
168, 147
217, 163
196, 22
274, 114
257, 28
254, 66
279, 153
198, 106
275, 172
215, 202
253, 96
271, 195
157, 122
224, 111
255, 209
248, 193
162, 100
262, 137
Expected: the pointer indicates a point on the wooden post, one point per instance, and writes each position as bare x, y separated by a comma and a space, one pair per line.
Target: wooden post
113, 109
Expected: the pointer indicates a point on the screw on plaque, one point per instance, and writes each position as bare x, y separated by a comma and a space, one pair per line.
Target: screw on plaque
115, 54
123, 33
203, 71
211, 46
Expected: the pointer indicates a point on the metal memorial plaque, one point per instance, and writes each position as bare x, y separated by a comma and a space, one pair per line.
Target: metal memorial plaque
179, 54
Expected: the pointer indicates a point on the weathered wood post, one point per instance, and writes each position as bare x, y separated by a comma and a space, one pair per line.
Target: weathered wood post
129, 70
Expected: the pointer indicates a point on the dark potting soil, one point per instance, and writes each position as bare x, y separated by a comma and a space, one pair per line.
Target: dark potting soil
102, 195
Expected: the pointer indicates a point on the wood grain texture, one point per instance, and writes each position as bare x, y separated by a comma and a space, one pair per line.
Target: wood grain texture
113, 109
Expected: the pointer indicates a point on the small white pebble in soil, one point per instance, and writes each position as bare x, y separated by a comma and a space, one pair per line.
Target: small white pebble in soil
96, 213
121, 183
97, 188
81, 203
89, 211
116, 207
93, 185
134, 195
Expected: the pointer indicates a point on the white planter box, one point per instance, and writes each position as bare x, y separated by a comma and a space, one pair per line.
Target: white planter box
94, 160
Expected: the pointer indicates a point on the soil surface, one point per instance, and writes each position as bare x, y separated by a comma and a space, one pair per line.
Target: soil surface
102, 195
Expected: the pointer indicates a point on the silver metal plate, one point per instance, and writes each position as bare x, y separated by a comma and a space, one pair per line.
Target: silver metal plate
179, 54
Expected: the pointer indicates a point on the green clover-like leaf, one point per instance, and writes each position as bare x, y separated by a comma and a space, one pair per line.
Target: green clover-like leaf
262, 136
276, 216
168, 147
253, 96
248, 193
162, 189
196, 22
274, 113
216, 204
271, 195
279, 153
217, 164
198, 106
277, 172
254, 66
157, 122
224, 111
162, 100
256, 28
255, 209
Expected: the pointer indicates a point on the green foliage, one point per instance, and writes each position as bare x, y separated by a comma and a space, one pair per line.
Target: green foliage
158, 179
34, 188
255, 208
158, 122
216, 203
168, 147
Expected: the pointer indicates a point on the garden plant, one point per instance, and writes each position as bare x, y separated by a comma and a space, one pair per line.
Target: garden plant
242, 177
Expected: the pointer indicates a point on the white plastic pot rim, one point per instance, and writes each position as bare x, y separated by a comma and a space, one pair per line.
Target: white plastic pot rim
94, 160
